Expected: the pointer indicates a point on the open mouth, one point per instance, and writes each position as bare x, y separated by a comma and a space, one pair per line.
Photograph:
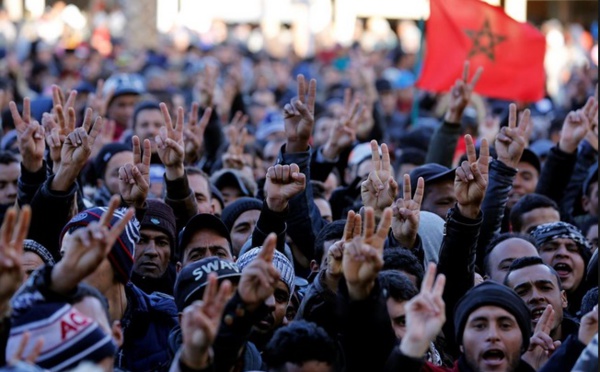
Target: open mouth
493, 356
563, 269
536, 313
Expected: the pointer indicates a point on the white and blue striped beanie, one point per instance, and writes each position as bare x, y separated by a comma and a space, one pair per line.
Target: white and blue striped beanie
280, 262
69, 336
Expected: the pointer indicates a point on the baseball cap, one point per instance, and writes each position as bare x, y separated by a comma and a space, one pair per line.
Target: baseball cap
231, 177
193, 278
530, 157
202, 221
121, 84
431, 173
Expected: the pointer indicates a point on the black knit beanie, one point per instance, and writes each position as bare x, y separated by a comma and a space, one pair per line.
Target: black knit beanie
235, 209
489, 293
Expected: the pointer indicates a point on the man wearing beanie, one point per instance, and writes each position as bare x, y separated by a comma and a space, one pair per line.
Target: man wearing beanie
284, 288
240, 217
153, 267
563, 247
492, 329
146, 319
111, 157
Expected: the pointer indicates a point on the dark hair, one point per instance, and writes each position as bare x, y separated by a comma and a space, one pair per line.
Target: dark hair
318, 189
523, 262
499, 238
587, 223
403, 260
589, 300
8, 157
396, 285
331, 231
144, 105
298, 343
526, 204
411, 155
85, 290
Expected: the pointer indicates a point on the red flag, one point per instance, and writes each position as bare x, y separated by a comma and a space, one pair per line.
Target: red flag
511, 53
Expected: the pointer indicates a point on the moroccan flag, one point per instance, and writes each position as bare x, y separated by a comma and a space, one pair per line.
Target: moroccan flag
511, 53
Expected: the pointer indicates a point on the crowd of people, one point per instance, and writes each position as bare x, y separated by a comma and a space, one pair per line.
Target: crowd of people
215, 209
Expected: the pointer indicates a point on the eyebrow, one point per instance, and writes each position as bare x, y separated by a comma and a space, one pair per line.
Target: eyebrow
506, 260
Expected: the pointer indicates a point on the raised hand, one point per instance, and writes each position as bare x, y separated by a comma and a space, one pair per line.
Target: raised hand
283, 183
58, 99
589, 326
12, 234
343, 134
299, 116
363, 255
58, 126
512, 140
470, 182
169, 141
33, 355
541, 345
335, 253
237, 135
591, 112
259, 278
380, 188
460, 94
87, 247
405, 224
78, 144
576, 127
193, 133
200, 323
134, 179
30, 136
425, 315
98, 101
208, 84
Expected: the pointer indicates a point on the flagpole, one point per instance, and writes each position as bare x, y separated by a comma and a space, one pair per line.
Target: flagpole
414, 114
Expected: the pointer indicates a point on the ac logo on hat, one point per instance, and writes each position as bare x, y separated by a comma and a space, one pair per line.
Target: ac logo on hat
213, 266
72, 322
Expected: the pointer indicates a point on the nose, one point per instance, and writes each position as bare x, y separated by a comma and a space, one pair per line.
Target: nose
150, 249
492, 333
11, 189
536, 297
270, 302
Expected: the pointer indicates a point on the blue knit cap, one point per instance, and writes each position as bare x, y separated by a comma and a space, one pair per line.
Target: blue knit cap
123, 251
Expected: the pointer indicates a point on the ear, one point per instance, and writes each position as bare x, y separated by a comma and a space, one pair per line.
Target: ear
178, 267
117, 333
563, 299
314, 266
585, 203
462, 349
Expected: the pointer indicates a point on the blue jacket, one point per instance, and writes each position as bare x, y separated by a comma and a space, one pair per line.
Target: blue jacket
146, 324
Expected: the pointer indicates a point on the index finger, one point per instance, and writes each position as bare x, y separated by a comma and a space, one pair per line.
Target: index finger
57, 97
166, 117
16, 115
301, 87
384, 226
484, 153
137, 150
205, 119
546, 320
21, 228
71, 100
194, 113
267, 251
26, 109
465, 74
471, 152
87, 119
312, 95
525, 121
375, 155
179, 120
512, 115
349, 226
406, 189
386, 163
420, 192
118, 228
427, 284
108, 214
